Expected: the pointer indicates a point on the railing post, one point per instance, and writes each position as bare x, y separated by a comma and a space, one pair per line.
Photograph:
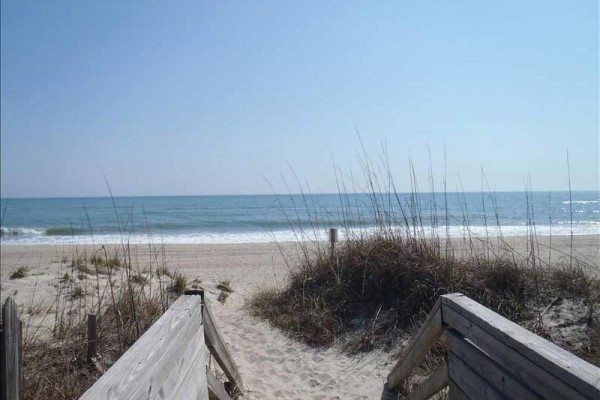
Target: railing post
92, 339
10, 352
333, 238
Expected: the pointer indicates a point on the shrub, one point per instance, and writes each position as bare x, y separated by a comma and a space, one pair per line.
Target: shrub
379, 286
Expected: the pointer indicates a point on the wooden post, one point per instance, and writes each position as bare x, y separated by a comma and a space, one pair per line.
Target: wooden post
10, 352
92, 339
333, 238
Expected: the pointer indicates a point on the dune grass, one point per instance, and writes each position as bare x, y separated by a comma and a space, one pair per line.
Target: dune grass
381, 281
126, 297
378, 287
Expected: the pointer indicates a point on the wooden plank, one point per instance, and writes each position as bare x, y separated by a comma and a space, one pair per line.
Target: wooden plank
218, 348
469, 381
186, 378
194, 383
155, 359
419, 345
538, 379
498, 377
548, 369
216, 390
92, 338
456, 393
436, 382
11, 352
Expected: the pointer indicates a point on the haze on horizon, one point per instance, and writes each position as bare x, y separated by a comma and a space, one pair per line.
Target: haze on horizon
223, 97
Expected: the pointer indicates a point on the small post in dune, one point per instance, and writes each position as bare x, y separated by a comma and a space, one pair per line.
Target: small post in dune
333, 238
11, 359
92, 339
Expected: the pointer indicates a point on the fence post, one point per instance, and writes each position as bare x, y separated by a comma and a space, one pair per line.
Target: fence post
92, 339
333, 238
10, 352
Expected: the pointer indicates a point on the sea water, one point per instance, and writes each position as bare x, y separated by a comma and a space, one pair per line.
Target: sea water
267, 218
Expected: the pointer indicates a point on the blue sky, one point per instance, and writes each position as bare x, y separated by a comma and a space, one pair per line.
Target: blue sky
196, 97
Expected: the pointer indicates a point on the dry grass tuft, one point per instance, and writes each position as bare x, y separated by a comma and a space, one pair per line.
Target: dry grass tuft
178, 284
126, 302
225, 286
20, 273
225, 291
380, 286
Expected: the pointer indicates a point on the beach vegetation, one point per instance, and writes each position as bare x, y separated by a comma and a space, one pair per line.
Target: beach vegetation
77, 293
376, 286
222, 297
20, 273
127, 303
225, 290
178, 283
225, 286
164, 271
65, 278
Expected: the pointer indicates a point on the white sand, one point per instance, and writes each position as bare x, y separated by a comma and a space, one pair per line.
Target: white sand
271, 365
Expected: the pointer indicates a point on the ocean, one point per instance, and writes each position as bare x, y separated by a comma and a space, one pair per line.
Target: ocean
267, 218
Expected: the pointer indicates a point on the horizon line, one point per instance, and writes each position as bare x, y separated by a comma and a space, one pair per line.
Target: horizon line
290, 194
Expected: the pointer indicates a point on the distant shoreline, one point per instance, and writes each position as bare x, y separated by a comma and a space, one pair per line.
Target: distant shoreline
40, 238
586, 247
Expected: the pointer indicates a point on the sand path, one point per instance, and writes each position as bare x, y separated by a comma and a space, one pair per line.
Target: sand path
272, 365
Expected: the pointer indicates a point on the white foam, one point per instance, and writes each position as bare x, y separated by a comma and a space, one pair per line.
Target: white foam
4, 231
588, 228
581, 202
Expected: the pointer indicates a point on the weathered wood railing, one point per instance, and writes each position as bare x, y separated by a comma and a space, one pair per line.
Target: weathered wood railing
490, 357
169, 361
11, 358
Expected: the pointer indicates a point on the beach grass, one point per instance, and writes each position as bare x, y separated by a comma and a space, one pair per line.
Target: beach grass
378, 284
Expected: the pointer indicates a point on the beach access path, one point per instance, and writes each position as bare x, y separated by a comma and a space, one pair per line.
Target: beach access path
273, 366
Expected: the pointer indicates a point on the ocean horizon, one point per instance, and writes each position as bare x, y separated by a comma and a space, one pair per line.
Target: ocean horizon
207, 219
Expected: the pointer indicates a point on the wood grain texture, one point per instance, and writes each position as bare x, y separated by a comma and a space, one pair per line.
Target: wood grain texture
418, 347
187, 375
469, 381
219, 350
194, 384
455, 393
10, 359
549, 370
92, 339
436, 382
167, 362
216, 390
498, 377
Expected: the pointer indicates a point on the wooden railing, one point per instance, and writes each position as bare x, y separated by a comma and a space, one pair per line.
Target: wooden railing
11, 357
490, 357
169, 361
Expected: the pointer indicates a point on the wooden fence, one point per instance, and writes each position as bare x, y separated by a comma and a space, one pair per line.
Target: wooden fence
11, 358
169, 361
490, 357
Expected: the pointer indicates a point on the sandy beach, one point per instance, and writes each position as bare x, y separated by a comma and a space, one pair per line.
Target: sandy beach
272, 365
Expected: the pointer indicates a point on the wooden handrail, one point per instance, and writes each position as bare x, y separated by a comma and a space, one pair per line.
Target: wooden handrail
218, 349
548, 369
436, 382
418, 346
491, 357
168, 359
216, 389
11, 357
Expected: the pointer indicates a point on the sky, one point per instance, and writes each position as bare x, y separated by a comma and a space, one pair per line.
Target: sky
236, 97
